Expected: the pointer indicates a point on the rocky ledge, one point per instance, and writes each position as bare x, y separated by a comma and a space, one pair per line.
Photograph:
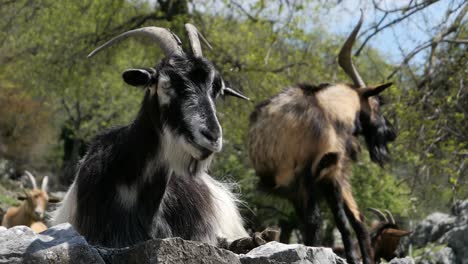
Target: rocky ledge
440, 238
62, 244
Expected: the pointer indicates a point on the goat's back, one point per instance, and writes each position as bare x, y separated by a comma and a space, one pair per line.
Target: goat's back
298, 126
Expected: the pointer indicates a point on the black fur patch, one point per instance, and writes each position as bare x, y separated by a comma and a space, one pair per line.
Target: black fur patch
377, 135
327, 160
186, 210
311, 89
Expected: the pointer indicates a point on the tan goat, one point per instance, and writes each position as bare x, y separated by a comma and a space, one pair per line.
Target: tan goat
31, 211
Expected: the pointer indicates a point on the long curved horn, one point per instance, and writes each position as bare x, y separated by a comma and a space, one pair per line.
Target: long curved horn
378, 213
45, 183
345, 60
194, 37
390, 216
31, 178
167, 40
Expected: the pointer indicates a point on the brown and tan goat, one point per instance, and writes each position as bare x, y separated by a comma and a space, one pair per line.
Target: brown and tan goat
32, 210
302, 141
385, 236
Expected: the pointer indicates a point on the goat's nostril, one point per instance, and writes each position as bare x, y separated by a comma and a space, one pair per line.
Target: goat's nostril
210, 135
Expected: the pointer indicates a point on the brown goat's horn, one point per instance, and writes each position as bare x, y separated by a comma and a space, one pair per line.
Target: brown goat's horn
378, 213
390, 216
167, 40
345, 60
32, 179
194, 37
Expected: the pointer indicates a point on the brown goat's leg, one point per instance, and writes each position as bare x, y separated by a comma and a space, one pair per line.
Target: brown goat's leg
332, 193
362, 236
307, 207
312, 218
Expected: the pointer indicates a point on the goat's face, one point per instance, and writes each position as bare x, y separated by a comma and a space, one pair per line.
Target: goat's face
185, 89
375, 128
37, 201
182, 90
386, 242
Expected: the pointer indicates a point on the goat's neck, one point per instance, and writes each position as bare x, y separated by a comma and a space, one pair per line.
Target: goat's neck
24, 214
145, 131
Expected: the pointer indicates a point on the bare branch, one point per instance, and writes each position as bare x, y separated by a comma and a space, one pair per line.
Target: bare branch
279, 69
241, 8
377, 29
456, 41
433, 42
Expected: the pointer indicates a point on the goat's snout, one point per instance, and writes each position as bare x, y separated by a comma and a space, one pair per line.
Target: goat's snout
212, 135
39, 213
210, 139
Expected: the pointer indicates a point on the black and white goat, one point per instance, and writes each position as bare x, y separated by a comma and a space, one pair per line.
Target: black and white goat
148, 179
302, 142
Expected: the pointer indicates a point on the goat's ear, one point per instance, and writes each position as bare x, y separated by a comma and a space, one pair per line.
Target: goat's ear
372, 91
45, 183
232, 92
397, 232
138, 77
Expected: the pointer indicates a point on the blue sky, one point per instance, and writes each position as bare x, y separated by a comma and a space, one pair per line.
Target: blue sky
407, 34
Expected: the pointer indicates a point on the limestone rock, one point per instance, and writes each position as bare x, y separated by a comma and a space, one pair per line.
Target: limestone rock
432, 228
406, 260
59, 244
169, 250
457, 240
278, 253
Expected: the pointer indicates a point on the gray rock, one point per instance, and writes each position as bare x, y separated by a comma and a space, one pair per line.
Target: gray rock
407, 260
59, 244
460, 208
432, 229
457, 239
444, 256
169, 250
62, 244
278, 253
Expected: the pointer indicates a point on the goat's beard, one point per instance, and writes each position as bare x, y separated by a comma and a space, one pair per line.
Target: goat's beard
181, 156
377, 138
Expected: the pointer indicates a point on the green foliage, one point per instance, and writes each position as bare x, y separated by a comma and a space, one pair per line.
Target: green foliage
376, 187
432, 147
7, 194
